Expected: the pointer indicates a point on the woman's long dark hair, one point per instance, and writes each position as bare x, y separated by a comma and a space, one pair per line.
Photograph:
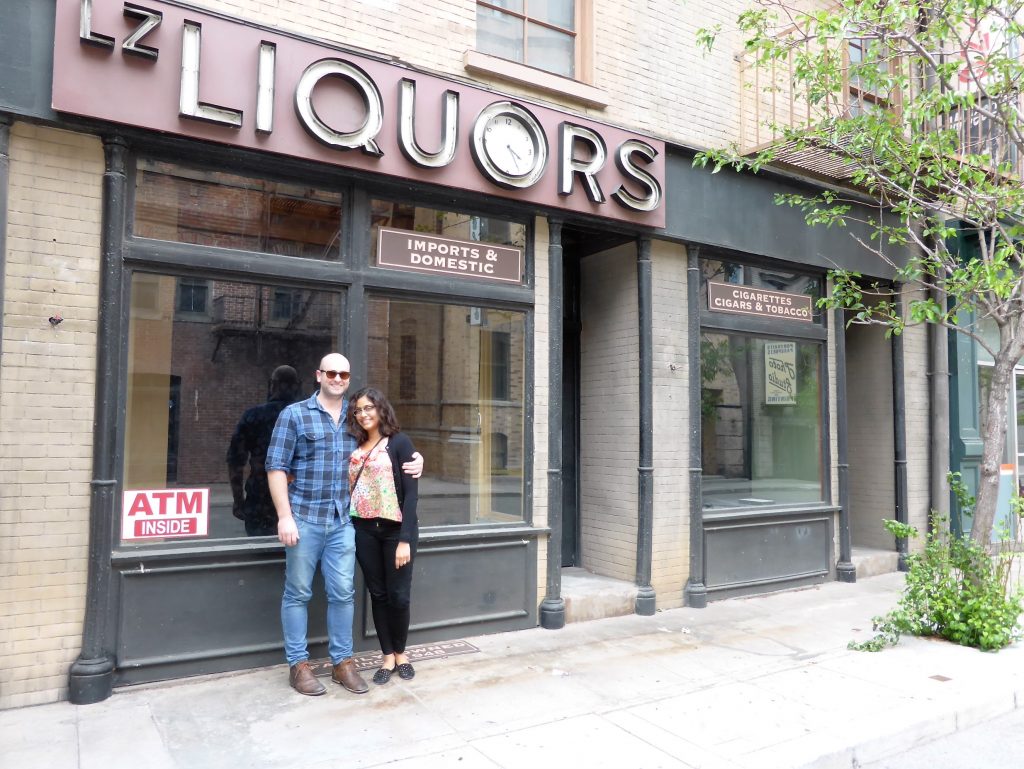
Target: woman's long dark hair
385, 412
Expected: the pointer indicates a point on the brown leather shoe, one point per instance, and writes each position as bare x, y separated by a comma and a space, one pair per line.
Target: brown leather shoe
346, 675
301, 677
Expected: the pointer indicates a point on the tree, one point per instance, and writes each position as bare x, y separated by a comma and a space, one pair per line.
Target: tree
918, 102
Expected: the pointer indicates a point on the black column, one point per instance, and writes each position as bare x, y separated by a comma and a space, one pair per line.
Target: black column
845, 570
92, 674
899, 429
5, 174
552, 608
645, 598
695, 594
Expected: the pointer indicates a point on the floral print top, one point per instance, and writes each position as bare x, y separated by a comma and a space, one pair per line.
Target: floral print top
374, 495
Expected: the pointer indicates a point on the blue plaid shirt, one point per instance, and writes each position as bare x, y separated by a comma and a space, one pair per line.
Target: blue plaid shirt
309, 446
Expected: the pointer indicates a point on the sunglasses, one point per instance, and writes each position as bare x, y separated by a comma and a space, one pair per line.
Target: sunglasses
342, 375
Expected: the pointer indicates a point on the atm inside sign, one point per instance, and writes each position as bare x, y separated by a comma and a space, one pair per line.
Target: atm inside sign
162, 513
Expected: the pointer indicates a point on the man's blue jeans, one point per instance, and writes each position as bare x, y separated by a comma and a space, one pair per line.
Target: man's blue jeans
333, 546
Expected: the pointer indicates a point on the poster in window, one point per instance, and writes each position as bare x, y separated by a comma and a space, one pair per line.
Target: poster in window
780, 373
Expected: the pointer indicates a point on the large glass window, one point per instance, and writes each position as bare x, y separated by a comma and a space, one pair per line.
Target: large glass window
455, 375
762, 422
201, 400
447, 224
212, 208
540, 33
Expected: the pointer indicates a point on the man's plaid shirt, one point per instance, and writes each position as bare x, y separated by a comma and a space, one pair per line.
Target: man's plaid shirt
307, 445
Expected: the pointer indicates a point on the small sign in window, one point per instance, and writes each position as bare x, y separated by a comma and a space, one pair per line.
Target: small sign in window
165, 513
418, 252
748, 300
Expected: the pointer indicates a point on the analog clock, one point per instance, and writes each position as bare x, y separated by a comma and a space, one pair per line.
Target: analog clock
509, 145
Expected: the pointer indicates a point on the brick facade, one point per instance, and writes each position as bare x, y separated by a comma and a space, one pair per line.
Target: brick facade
643, 51
609, 413
46, 406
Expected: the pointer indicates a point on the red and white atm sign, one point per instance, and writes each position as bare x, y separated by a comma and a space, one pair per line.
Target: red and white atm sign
162, 513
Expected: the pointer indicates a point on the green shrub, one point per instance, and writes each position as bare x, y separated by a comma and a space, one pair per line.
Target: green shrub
955, 589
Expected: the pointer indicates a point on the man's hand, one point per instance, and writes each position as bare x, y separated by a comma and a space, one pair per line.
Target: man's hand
403, 554
236, 510
415, 466
287, 531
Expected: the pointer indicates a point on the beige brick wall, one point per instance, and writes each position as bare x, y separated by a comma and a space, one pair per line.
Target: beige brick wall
671, 545
918, 420
871, 442
645, 60
609, 413
870, 436
46, 407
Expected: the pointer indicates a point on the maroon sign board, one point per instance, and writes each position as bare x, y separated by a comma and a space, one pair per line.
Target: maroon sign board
749, 300
418, 252
175, 69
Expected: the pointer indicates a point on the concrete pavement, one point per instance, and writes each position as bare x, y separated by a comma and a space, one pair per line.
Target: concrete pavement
995, 744
753, 683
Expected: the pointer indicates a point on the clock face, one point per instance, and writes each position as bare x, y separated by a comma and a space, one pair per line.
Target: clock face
509, 144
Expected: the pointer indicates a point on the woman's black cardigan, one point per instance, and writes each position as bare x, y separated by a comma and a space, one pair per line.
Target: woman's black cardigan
400, 450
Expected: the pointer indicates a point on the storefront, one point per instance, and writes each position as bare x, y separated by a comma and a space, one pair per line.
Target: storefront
609, 358
322, 201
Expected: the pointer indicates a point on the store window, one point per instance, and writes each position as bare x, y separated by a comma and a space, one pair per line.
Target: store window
538, 33
447, 224
212, 208
761, 416
440, 364
200, 400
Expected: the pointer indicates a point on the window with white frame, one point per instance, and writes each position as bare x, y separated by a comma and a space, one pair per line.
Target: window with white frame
538, 33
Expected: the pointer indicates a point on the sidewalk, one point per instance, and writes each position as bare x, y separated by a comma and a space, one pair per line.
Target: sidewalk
755, 683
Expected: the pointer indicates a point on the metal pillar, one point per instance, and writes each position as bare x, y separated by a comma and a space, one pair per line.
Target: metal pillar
92, 674
645, 598
695, 593
899, 429
5, 173
552, 608
939, 416
845, 570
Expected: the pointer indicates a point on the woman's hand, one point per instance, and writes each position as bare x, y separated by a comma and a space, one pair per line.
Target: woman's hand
414, 467
403, 554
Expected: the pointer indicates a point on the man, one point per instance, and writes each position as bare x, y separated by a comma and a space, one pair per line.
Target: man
252, 502
311, 444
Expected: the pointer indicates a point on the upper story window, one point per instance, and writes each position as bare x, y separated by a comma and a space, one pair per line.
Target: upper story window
538, 33
868, 70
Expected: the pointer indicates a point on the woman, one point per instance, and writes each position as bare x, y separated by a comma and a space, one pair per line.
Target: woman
383, 512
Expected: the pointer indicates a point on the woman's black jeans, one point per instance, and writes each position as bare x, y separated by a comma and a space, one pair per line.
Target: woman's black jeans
390, 588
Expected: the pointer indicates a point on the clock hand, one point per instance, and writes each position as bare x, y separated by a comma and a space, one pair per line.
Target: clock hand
515, 156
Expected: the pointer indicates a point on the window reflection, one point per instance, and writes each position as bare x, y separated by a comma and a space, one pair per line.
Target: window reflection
212, 208
202, 396
448, 224
455, 375
761, 422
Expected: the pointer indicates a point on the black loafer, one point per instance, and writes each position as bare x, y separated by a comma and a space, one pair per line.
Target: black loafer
406, 671
382, 676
